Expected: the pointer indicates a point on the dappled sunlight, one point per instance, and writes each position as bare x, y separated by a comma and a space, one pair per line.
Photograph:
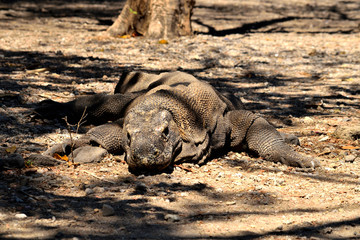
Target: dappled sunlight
294, 62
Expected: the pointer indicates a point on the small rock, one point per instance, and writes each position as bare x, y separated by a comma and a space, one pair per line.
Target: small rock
280, 228
290, 138
99, 189
89, 191
357, 189
172, 217
308, 120
323, 138
327, 230
171, 198
141, 176
89, 154
221, 175
350, 158
141, 187
219, 190
82, 186
104, 170
184, 194
20, 216
239, 175
107, 210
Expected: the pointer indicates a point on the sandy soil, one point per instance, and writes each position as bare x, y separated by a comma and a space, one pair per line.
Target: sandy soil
296, 62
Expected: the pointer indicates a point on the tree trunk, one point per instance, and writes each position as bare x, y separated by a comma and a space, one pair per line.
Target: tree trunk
154, 18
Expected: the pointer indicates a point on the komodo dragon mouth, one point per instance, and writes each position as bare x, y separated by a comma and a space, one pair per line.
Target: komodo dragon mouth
151, 139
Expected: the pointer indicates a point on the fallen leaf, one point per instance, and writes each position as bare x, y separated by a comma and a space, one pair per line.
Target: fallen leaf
58, 157
163, 41
349, 147
11, 149
71, 164
124, 36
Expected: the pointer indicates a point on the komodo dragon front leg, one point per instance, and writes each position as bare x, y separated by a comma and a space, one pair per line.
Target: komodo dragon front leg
109, 136
97, 109
264, 139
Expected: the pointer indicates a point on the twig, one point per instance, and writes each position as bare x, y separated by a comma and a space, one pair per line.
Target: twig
37, 70
80, 122
71, 138
102, 179
184, 168
29, 195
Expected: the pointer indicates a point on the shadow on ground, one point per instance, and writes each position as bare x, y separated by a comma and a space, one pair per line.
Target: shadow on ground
134, 216
271, 17
98, 10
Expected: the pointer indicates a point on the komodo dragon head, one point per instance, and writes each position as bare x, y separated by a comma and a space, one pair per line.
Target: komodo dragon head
151, 139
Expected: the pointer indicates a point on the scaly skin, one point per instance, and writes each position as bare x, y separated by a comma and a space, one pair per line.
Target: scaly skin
173, 117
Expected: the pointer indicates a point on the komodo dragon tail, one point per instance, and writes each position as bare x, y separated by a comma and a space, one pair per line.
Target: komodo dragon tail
265, 140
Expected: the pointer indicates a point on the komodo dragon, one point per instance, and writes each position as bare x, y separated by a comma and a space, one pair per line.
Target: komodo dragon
158, 120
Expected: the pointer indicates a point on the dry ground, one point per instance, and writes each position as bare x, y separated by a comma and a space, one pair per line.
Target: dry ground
296, 62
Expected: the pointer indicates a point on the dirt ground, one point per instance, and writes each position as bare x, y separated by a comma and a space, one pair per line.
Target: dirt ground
295, 62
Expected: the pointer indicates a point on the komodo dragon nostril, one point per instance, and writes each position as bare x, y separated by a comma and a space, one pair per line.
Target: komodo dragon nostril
156, 152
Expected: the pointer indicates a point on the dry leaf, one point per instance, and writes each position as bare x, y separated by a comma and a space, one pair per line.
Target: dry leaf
71, 164
124, 36
163, 41
58, 157
11, 149
349, 147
